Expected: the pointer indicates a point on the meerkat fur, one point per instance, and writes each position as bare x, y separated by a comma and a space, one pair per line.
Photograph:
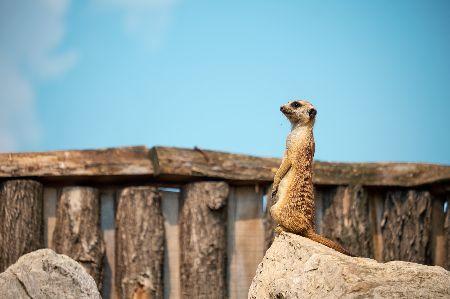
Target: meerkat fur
294, 210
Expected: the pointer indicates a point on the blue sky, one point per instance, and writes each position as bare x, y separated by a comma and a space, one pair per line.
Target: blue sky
212, 74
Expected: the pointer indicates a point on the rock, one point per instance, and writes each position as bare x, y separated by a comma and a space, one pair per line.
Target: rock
45, 274
296, 267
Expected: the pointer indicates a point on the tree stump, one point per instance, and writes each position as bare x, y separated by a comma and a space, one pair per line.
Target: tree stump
406, 226
139, 243
21, 220
346, 219
77, 230
203, 240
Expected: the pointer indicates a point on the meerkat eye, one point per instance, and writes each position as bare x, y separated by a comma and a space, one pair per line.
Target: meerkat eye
295, 105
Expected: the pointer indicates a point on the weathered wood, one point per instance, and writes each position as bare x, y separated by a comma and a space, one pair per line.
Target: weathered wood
245, 242
268, 222
139, 243
179, 162
346, 220
21, 220
167, 164
438, 248
203, 240
406, 226
186, 163
77, 231
50, 200
126, 161
170, 209
376, 206
107, 223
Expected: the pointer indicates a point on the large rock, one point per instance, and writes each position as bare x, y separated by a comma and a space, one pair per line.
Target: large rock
45, 274
296, 267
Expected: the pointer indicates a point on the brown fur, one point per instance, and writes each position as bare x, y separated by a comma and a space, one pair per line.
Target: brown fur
295, 209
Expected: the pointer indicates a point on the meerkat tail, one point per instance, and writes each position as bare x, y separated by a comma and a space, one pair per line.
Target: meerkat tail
322, 240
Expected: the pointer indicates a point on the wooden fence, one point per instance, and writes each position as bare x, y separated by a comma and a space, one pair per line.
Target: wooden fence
171, 222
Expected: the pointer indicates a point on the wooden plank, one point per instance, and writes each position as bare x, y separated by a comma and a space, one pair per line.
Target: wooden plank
21, 220
203, 240
376, 205
107, 222
345, 216
170, 207
180, 162
406, 226
246, 239
139, 164
50, 199
77, 230
126, 161
438, 242
139, 243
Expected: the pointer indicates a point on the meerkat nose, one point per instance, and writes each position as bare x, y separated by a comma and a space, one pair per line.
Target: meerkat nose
312, 112
282, 108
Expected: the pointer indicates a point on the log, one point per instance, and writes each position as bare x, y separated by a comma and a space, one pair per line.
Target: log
79, 165
21, 220
179, 165
187, 164
203, 240
346, 219
77, 231
406, 226
139, 243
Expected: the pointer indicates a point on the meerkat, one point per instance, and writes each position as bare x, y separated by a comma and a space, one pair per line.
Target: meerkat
294, 210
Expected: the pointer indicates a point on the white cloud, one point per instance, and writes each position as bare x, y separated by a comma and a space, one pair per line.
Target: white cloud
146, 20
30, 34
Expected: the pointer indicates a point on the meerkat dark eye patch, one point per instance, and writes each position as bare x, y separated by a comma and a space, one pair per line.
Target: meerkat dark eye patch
296, 105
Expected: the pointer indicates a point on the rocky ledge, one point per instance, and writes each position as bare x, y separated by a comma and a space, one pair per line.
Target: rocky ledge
296, 267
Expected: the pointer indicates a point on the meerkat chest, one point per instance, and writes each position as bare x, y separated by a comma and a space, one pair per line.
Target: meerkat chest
284, 185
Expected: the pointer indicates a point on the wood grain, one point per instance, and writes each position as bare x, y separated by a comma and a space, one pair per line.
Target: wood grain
246, 238
77, 231
203, 240
346, 219
406, 226
139, 243
21, 220
178, 165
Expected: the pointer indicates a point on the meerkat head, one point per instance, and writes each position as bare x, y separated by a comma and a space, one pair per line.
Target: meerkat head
299, 112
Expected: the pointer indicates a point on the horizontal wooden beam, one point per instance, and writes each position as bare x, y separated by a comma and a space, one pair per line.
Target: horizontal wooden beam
171, 161
179, 165
123, 161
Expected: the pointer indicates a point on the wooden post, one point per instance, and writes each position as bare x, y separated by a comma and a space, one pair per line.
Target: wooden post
346, 220
246, 238
21, 220
77, 231
406, 226
203, 240
139, 243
